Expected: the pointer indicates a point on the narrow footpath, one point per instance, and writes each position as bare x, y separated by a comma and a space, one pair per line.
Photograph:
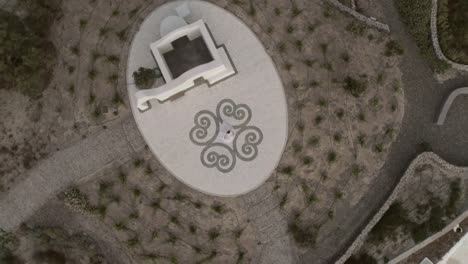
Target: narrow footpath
113, 145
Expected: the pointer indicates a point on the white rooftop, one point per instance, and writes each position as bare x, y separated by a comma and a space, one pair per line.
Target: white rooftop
458, 254
225, 139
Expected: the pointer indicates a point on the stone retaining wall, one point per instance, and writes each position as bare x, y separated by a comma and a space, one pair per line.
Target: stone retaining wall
448, 103
358, 16
421, 159
435, 40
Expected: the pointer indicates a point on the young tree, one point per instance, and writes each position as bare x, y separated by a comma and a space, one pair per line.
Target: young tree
145, 77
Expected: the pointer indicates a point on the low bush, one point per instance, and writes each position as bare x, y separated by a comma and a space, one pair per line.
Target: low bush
355, 87
145, 77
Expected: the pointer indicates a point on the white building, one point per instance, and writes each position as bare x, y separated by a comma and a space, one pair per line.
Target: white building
186, 54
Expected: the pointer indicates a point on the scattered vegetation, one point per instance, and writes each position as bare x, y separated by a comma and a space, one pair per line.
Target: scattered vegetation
145, 77
452, 24
355, 87
27, 56
416, 14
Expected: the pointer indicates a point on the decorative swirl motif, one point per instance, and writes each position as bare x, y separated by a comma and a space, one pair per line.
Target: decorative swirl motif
247, 141
218, 155
236, 115
202, 133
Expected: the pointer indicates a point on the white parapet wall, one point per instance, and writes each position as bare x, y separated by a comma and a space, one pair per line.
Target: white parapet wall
219, 68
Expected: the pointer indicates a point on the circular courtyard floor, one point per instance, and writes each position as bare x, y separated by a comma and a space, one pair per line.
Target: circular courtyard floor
186, 133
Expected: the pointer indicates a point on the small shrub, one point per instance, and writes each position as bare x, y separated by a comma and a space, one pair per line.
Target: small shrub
192, 229
345, 57
137, 163
379, 148
331, 157
178, 196
288, 170
92, 73
283, 200
281, 47
83, 23
299, 44
115, 12
295, 11
309, 63
361, 117
318, 120
337, 137
356, 28
121, 226
113, 59
339, 113
297, 147
77, 200
393, 48
103, 31
122, 34
174, 219
122, 177
277, 11
355, 87
133, 12
97, 112
311, 198
313, 141
338, 194
117, 99
144, 77
307, 160
218, 208
213, 234
300, 125
361, 139
112, 78
322, 102
356, 170
133, 242
104, 187
323, 47
156, 204
136, 192
304, 236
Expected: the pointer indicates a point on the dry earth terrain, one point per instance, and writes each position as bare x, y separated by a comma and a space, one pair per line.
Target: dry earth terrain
342, 81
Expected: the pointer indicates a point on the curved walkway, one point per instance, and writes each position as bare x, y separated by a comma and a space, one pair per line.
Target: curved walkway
424, 96
68, 166
56, 213
448, 103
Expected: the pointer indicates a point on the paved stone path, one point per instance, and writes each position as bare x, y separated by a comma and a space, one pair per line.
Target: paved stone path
265, 216
57, 214
50, 176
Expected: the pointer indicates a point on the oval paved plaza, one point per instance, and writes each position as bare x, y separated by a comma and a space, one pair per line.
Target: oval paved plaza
184, 133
